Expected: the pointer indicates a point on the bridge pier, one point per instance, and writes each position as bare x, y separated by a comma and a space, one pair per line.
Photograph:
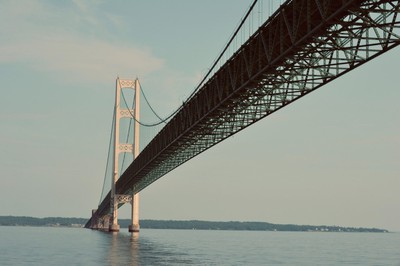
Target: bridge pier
114, 226
135, 227
94, 220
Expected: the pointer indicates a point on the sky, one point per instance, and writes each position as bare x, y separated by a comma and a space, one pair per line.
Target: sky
331, 158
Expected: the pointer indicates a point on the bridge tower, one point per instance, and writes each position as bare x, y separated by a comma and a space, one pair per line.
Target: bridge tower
120, 113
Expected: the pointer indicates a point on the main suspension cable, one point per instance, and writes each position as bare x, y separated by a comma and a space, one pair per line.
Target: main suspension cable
201, 82
151, 108
150, 124
223, 51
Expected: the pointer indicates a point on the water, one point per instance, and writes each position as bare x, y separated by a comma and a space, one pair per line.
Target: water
75, 246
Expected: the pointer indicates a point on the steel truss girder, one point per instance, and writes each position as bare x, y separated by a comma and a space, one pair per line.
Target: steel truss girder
305, 45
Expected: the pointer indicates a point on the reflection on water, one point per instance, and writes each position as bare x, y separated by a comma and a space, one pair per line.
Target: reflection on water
75, 246
130, 249
195, 247
124, 249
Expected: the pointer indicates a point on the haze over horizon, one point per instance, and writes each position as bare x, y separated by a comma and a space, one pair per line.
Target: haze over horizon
331, 158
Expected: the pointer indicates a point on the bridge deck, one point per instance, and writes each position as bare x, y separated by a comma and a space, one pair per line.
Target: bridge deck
304, 45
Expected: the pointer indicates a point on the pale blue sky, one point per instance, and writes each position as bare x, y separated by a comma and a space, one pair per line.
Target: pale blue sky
330, 158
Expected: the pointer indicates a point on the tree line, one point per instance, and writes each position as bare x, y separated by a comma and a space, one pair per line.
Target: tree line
188, 225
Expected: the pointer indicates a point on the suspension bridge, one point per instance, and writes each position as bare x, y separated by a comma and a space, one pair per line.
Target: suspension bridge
270, 61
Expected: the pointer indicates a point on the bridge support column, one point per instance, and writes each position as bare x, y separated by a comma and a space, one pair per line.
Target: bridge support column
114, 226
134, 227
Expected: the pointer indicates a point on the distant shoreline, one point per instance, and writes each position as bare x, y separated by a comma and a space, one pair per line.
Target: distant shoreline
184, 225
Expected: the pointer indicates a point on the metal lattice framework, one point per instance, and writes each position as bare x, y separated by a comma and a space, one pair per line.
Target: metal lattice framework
303, 46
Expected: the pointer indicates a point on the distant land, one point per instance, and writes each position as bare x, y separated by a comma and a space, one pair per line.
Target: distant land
188, 225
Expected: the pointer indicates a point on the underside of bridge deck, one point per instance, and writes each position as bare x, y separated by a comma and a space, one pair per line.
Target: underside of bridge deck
304, 45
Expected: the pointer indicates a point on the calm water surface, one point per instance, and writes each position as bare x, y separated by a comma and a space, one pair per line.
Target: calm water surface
70, 246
